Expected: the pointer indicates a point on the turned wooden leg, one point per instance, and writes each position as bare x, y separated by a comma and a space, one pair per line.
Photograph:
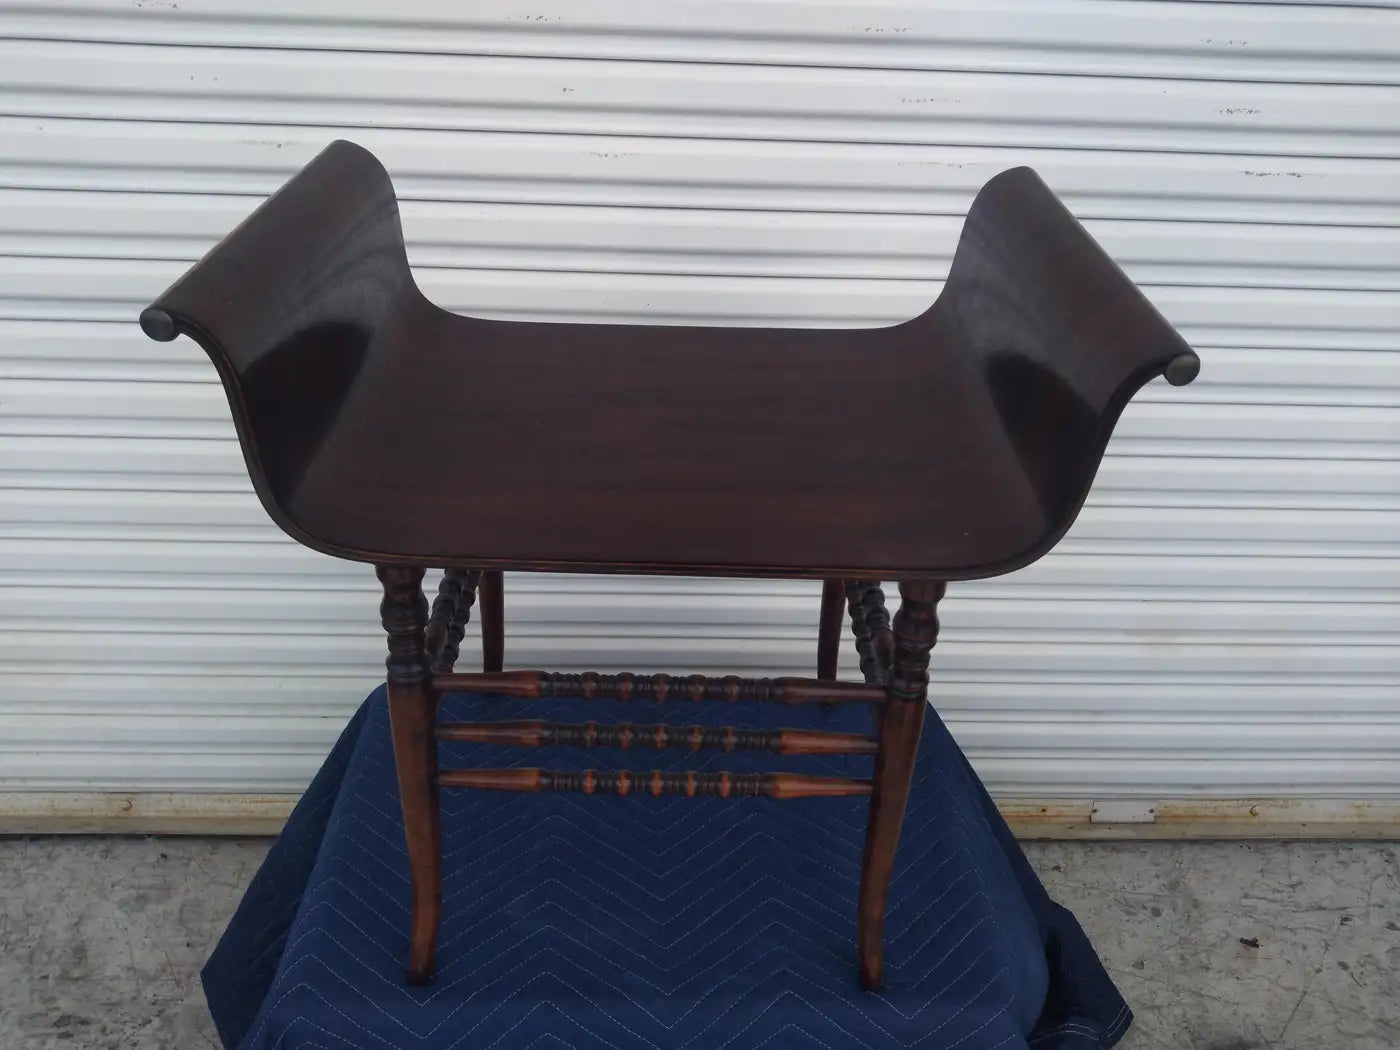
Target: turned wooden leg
829, 630
870, 624
412, 713
447, 624
491, 593
915, 631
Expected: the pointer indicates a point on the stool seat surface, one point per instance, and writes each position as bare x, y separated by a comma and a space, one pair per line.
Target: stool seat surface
377, 426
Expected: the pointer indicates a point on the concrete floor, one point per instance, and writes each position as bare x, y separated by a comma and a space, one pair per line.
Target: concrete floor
1216, 946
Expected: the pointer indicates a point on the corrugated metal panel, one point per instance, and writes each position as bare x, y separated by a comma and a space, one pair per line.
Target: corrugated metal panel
1223, 618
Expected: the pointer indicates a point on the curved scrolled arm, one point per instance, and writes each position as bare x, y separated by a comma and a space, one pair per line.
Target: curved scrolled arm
1062, 340
291, 306
1027, 279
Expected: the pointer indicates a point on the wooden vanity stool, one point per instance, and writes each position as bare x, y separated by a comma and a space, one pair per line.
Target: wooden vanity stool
378, 427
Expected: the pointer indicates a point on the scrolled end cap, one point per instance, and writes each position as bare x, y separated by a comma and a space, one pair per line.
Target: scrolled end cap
1182, 369
158, 325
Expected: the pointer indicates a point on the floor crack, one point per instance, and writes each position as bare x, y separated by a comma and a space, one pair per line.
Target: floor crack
1321, 963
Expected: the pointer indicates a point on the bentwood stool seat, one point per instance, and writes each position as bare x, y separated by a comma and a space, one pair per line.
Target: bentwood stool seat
958, 444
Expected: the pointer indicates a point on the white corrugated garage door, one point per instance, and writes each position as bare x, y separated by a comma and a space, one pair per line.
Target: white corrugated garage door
1223, 619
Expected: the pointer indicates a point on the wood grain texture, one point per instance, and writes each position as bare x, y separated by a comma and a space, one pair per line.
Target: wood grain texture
657, 782
624, 735
590, 685
999, 398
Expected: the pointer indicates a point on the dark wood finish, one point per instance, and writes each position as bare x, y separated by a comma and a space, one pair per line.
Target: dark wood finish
870, 623
861, 630
625, 736
659, 687
379, 427
447, 624
657, 782
412, 711
833, 618
493, 620
901, 724
999, 399
491, 597
877, 619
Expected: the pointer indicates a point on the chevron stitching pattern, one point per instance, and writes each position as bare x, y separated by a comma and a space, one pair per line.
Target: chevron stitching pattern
648, 923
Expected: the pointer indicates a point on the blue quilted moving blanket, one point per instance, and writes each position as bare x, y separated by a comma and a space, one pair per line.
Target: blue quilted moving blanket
604, 923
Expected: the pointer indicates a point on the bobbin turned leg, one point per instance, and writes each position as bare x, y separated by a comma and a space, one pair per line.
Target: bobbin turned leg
412, 712
447, 623
870, 624
829, 629
901, 722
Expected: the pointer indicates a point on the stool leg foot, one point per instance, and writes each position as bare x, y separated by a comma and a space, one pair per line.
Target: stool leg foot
412, 714
901, 723
491, 595
830, 628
